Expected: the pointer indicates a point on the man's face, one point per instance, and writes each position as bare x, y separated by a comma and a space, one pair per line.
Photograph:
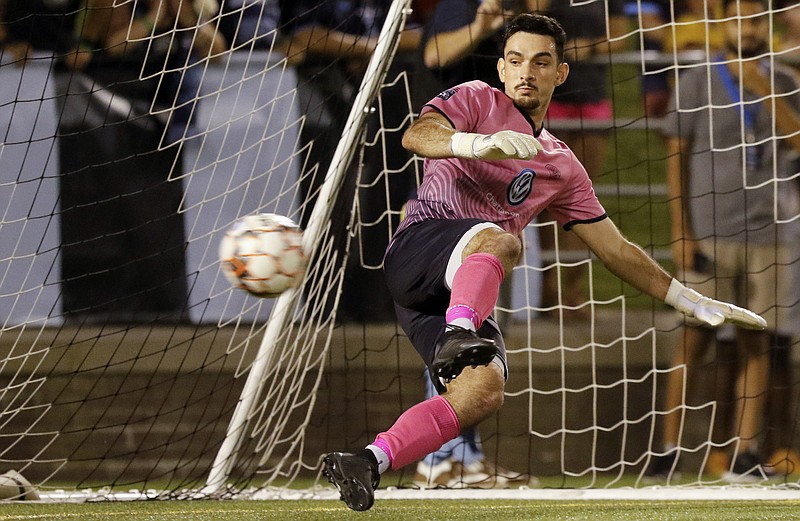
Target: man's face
530, 71
754, 29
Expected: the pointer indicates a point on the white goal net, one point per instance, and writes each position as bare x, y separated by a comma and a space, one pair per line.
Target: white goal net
135, 133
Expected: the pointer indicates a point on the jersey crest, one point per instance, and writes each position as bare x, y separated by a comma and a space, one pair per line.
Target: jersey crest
521, 187
446, 95
554, 172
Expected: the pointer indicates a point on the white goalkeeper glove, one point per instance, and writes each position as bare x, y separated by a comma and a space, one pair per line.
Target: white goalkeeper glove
505, 144
710, 311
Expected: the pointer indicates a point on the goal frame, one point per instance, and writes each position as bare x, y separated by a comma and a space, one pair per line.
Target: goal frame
282, 312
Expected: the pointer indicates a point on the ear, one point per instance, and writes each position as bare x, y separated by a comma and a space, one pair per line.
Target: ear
561, 73
501, 69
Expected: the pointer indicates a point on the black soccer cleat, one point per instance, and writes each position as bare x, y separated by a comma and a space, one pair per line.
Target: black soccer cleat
459, 348
354, 476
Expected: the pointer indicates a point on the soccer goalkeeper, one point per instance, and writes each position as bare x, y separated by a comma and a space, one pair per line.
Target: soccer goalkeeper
490, 168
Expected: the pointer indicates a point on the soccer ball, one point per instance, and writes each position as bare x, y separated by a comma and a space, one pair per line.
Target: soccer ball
263, 254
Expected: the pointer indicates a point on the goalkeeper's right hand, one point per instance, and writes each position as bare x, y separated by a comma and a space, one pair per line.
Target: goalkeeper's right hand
710, 311
506, 144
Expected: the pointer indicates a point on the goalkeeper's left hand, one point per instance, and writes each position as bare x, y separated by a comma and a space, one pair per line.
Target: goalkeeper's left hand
710, 311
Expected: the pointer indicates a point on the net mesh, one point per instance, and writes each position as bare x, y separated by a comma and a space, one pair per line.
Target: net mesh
123, 350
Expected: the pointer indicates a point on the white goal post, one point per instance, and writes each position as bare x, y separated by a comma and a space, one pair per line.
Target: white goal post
320, 217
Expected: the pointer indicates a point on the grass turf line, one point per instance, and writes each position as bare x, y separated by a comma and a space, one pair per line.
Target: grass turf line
403, 510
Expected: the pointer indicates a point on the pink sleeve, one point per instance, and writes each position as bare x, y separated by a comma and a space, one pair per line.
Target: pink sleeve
579, 203
464, 105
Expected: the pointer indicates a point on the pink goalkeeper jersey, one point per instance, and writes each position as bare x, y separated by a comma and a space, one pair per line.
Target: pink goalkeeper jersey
511, 192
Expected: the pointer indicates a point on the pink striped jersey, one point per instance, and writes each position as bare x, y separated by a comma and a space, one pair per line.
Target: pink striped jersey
510, 192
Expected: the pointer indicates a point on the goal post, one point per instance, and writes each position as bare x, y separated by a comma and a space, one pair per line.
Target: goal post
317, 224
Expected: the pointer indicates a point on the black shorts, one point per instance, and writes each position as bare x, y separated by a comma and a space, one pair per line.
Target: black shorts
415, 267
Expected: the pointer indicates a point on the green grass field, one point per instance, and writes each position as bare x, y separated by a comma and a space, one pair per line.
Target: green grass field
405, 510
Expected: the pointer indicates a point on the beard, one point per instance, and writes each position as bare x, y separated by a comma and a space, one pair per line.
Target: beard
527, 103
748, 51
530, 102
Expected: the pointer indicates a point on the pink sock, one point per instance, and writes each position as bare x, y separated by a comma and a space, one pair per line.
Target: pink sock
476, 286
419, 431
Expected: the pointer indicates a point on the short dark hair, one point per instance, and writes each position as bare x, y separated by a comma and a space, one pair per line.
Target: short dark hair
537, 24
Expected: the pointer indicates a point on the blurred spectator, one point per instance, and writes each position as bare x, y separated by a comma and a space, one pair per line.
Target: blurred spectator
781, 408
330, 43
650, 17
461, 39
249, 24
584, 96
422, 10
123, 238
672, 26
582, 100
697, 27
789, 42
726, 241
130, 26
44, 25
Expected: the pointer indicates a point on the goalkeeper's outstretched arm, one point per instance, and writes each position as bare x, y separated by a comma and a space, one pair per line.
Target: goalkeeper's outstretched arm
432, 136
630, 263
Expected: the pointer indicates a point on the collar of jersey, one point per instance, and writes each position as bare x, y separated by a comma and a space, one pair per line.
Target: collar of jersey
536, 133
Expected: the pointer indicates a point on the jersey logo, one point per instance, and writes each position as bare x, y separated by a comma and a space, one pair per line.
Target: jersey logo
554, 172
521, 187
446, 95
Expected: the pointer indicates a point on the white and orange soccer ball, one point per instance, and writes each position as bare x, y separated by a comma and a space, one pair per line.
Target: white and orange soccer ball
263, 254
